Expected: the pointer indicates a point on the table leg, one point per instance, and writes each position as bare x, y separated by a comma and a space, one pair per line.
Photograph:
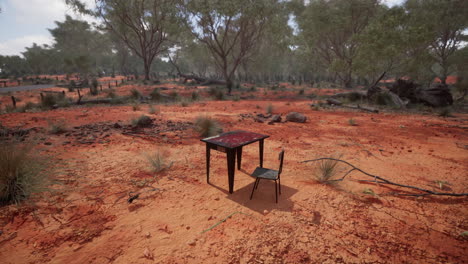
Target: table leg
231, 163
208, 163
261, 153
239, 157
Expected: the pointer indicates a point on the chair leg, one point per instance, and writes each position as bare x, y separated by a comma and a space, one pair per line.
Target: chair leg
279, 184
253, 189
276, 192
256, 185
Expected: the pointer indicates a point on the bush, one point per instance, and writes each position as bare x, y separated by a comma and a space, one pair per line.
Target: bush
57, 127
135, 94
152, 110
326, 170
93, 89
207, 127
216, 92
269, 109
195, 96
142, 121
136, 107
22, 173
155, 95
174, 95
352, 122
445, 112
158, 162
49, 100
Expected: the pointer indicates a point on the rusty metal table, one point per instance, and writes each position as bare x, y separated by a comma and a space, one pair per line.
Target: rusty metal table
231, 143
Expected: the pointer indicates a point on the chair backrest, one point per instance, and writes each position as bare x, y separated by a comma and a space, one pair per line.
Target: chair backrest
281, 158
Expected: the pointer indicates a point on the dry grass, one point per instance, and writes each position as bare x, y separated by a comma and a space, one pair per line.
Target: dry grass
22, 172
326, 170
207, 127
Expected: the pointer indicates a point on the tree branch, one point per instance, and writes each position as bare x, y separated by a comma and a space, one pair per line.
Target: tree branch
385, 181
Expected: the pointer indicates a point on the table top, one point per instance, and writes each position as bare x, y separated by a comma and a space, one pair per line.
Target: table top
234, 139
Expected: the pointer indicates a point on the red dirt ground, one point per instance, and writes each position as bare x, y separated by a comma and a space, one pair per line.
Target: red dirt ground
88, 219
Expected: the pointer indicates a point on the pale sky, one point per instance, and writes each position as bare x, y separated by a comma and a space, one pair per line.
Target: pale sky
23, 22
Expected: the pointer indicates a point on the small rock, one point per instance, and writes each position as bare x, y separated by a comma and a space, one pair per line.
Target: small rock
148, 235
296, 117
265, 212
48, 143
275, 118
192, 243
147, 253
117, 125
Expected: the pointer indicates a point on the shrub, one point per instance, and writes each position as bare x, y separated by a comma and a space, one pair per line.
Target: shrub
184, 103
195, 96
174, 95
236, 98
49, 100
158, 161
57, 127
135, 94
216, 92
301, 92
155, 95
326, 170
142, 121
136, 107
93, 89
22, 173
269, 109
152, 110
445, 112
352, 122
207, 127
111, 94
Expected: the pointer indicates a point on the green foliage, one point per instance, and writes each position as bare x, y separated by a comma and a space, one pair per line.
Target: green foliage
22, 172
207, 127
369, 191
352, 122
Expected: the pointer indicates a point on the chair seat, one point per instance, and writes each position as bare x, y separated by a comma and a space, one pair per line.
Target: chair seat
265, 173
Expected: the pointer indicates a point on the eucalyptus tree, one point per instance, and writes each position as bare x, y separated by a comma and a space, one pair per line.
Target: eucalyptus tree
329, 29
445, 23
231, 30
147, 27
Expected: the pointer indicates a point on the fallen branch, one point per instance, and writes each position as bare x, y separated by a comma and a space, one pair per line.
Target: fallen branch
224, 220
385, 181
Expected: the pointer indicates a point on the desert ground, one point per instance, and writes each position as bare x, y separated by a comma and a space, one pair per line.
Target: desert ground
100, 162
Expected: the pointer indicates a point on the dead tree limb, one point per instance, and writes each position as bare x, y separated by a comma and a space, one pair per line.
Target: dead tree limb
385, 181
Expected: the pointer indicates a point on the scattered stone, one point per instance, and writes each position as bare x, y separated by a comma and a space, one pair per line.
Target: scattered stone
148, 235
275, 119
296, 117
265, 212
148, 254
48, 143
192, 242
117, 125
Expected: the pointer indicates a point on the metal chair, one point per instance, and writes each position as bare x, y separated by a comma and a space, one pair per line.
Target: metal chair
269, 174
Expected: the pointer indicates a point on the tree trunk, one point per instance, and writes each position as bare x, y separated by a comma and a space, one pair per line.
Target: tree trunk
147, 65
229, 85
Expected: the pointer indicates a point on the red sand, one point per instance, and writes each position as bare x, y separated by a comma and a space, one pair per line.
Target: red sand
88, 220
